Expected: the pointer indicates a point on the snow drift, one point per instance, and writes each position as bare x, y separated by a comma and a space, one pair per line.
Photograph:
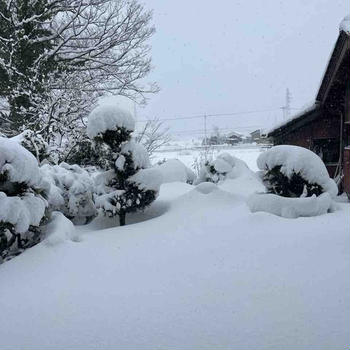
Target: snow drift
291, 207
173, 170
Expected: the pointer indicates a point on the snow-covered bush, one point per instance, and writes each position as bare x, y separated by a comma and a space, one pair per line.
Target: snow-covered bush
205, 155
223, 167
292, 171
128, 184
174, 170
23, 207
71, 191
34, 143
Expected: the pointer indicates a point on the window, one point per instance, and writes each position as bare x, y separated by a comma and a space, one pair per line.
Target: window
327, 149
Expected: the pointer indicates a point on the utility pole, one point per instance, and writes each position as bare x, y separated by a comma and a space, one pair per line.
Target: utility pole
288, 101
205, 130
205, 138
286, 107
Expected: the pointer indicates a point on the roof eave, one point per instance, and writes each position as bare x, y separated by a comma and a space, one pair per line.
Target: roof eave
303, 119
340, 48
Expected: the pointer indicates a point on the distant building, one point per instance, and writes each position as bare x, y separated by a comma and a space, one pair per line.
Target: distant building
256, 136
233, 138
324, 127
213, 140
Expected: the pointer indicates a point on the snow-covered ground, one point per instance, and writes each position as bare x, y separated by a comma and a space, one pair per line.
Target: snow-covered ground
201, 272
188, 154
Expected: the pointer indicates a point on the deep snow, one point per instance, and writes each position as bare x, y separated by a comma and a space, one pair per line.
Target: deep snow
203, 272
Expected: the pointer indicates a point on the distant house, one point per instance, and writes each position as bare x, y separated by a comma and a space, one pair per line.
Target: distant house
212, 140
256, 136
233, 138
324, 126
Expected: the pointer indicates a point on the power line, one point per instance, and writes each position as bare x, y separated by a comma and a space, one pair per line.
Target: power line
202, 132
214, 115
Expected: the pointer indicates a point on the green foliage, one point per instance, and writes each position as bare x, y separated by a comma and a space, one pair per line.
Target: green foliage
295, 186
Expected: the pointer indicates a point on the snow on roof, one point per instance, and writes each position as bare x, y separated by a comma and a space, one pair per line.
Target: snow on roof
307, 108
109, 116
234, 133
345, 25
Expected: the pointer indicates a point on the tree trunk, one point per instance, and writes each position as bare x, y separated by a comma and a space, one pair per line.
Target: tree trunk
122, 218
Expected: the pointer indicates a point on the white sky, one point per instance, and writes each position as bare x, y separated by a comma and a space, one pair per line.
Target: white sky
238, 55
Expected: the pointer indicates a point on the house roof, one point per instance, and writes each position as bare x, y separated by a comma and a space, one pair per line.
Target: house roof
234, 134
307, 115
338, 53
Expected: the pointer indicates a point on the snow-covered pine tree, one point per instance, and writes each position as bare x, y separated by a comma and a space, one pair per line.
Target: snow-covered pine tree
23, 207
128, 184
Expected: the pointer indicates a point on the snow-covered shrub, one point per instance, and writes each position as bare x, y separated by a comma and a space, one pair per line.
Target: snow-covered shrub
34, 143
128, 184
59, 230
71, 191
292, 171
223, 167
205, 155
174, 170
23, 207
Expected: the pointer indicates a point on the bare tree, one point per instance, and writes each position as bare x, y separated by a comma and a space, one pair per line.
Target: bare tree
58, 56
153, 135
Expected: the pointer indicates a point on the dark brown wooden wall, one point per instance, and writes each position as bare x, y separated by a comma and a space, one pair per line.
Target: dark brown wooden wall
328, 126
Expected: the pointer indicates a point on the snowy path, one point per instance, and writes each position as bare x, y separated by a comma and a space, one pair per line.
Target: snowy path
205, 274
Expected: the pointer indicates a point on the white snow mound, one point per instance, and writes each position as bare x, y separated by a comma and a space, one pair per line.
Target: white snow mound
147, 179
295, 159
291, 207
206, 187
173, 170
222, 166
225, 166
109, 116
59, 230
20, 164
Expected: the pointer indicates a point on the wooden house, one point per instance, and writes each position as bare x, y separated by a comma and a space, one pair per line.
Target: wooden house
324, 127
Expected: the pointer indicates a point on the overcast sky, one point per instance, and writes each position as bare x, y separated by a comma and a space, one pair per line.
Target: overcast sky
230, 56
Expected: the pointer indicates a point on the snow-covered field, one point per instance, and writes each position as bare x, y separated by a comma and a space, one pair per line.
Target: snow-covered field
201, 272
247, 153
